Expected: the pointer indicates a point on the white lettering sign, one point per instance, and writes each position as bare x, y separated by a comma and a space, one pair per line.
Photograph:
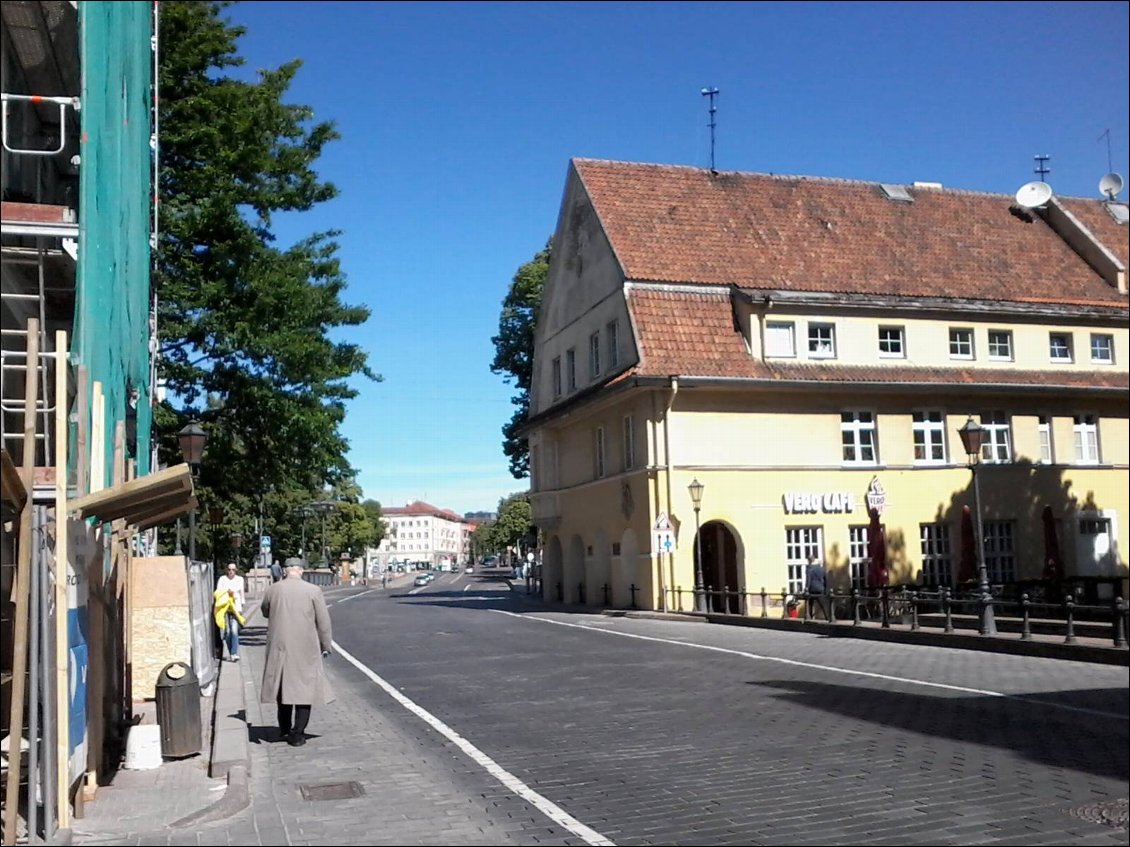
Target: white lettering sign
807, 502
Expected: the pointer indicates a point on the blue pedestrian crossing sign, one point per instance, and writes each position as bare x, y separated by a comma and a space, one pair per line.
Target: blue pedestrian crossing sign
265, 543
662, 536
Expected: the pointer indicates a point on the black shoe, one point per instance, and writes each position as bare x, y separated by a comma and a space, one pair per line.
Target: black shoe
296, 739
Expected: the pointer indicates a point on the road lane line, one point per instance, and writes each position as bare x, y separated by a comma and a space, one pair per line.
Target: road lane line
848, 671
352, 596
545, 806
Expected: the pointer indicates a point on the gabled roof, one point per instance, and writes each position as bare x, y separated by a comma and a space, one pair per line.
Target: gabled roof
418, 508
676, 224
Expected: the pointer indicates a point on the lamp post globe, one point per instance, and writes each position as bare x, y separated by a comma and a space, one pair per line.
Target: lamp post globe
972, 437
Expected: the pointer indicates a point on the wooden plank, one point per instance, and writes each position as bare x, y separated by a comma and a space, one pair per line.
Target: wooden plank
62, 651
82, 435
22, 583
11, 484
164, 517
97, 438
119, 501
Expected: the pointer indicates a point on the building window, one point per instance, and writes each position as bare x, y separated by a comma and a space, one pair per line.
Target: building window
780, 339
594, 355
1059, 346
613, 332
629, 445
961, 344
598, 452
1000, 345
858, 538
892, 342
1044, 429
822, 341
1086, 440
996, 442
556, 377
929, 438
571, 368
1000, 556
801, 544
857, 431
937, 563
1102, 349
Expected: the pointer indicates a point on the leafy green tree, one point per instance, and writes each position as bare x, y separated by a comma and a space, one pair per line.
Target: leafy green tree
245, 324
482, 540
514, 351
515, 521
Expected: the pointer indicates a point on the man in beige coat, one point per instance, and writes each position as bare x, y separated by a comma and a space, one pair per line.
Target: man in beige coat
298, 636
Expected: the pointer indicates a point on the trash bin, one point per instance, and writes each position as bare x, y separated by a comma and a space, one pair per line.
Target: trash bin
178, 711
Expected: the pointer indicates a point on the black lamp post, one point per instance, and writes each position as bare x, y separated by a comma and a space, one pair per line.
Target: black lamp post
323, 507
972, 435
695, 488
192, 439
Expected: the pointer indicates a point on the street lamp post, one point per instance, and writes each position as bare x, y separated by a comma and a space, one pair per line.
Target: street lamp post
323, 507
192, 439
695, 489
971, 436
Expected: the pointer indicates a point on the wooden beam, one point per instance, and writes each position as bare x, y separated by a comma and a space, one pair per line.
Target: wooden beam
12, 484
169, 514
82, 433
22, 584
62, 607
118, 502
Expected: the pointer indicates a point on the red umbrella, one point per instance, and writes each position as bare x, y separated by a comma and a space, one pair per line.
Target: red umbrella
967, 566
877, 552
1053, 563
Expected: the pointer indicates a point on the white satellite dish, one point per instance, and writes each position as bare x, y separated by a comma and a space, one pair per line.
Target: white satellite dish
1110, 185
1033, 194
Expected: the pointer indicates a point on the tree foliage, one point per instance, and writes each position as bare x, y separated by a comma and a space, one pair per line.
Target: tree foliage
244, 323
515, 521
514, 351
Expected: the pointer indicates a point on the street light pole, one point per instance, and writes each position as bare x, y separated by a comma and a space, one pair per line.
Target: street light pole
695, 489
971, 436
192, 438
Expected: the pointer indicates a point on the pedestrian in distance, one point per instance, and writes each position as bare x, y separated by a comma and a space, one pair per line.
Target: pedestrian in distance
228, 608
816, 586
298, 638
276, 571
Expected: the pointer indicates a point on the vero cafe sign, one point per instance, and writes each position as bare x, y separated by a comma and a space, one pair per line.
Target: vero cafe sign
832, 502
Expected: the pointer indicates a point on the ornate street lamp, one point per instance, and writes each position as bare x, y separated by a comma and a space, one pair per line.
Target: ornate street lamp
972, 434
323, 507
695, 488
192, 439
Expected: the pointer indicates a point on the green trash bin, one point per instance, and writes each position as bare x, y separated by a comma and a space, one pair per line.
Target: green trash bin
178, 711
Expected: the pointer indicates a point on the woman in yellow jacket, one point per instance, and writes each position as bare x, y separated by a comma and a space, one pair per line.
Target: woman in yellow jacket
228, 608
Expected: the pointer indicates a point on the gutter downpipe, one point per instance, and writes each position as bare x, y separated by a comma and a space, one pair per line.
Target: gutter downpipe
674, 381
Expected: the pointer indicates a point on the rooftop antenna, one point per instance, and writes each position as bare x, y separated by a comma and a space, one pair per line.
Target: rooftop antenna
1106, 134
711, 93
1041, 166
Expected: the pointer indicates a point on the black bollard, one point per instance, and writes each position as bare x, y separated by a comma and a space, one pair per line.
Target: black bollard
1119, 624
581, 593
560, 593
855, 621
784, 603
1025, 618
1070, 608
884, 601
764, 603
913, 611
604, 588
947, 607
633, 589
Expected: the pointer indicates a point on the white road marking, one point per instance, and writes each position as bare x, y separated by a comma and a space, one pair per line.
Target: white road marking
848, 671
352, 596
545, 806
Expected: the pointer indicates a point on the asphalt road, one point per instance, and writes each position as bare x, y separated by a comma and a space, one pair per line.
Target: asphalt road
646, 731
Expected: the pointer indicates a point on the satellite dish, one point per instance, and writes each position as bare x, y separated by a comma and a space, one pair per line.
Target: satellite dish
1033, 194
1110, 185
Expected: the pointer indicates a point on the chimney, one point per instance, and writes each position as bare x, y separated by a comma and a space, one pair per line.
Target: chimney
1082, 241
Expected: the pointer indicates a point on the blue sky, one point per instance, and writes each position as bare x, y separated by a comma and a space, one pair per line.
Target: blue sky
458, 121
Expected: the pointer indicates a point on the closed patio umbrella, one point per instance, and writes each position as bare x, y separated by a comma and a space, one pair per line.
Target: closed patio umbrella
967, 564
1053, 562
877, 552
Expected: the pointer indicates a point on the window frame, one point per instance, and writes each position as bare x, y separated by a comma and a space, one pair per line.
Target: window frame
571, 369
815, 330
859, 558
900, 353
1068, 347
556, 368
856, 428
791, 327
935, 544
997, 434
1006, 334
1100, 336
1045, 436
628, 443
928, 428
801, 543
599, 466
962, 336
1087, 425
998, 545
594, 355
613, 337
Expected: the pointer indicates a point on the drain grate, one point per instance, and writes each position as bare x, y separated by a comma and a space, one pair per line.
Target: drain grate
1113, 813
332, 791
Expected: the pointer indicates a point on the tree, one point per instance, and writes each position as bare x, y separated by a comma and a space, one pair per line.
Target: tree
514, 351
515, 521
245, 324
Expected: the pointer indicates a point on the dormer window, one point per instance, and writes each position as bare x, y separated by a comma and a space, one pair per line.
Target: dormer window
822, 341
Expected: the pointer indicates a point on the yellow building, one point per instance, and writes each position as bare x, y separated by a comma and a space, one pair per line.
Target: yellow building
806, 347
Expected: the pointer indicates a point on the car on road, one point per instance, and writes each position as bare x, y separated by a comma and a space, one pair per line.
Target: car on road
422, 579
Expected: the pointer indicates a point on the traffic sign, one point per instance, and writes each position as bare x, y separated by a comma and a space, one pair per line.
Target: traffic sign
662, 541
662, 523
265, 543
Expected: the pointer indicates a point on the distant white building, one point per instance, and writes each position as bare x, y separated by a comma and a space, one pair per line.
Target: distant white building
422, 533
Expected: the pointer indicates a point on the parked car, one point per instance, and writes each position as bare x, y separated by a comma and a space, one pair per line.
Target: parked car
422, 579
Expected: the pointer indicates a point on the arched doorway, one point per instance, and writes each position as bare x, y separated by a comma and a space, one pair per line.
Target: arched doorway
552, 569
719, 566
574, 571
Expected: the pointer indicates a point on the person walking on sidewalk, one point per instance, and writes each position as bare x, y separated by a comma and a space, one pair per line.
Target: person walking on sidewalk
816, 586
229, 595
298, 637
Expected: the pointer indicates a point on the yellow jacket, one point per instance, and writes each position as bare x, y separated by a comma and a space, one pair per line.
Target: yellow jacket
224, 603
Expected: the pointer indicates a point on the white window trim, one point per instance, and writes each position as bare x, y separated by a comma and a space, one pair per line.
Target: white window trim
989, 441
997, 357
809, 542
791, 326
571, 369
1048, 429
886, 354
966, 357
1110, 348
939, 561
594, 355
628, 457
557, 384
928, 427
1062, 360
858, 558
1079, 431
857, 427
613, 330
599, 454
818, 354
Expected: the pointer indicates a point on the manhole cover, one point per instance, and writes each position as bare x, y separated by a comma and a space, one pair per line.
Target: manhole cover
1113, 813
332, 791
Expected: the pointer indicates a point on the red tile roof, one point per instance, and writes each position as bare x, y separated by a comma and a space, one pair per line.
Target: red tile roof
419, 507
692, 334
679, 224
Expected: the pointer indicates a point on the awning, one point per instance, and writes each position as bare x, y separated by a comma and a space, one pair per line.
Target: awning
145, 502
12, 490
